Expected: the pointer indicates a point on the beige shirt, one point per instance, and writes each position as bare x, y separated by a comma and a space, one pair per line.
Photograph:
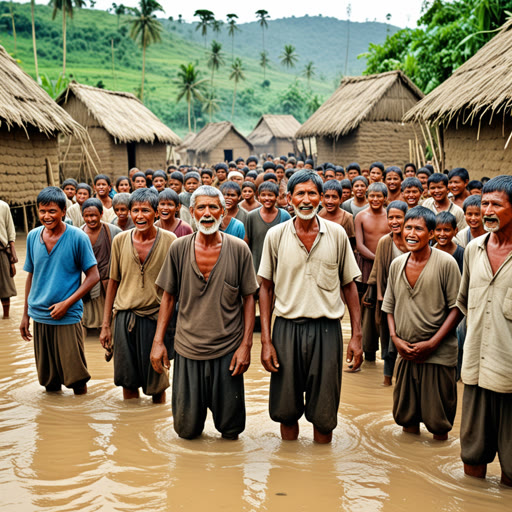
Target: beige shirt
307, 285
137, 290
455, 210
74, 214
108, 215
486, 299
419, 312
7, 229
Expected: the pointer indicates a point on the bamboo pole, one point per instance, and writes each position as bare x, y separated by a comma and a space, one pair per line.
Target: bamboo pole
436, 161
411, 158
49, 172
25, 220
440, 145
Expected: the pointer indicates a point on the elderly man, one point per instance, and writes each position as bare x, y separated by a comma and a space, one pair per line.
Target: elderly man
212, 275
306, 262
485, 296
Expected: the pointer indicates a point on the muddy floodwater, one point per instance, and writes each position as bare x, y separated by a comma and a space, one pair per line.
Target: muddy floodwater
60, 452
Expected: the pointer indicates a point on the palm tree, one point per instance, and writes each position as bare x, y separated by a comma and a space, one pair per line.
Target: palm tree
32, 8
232, 29
190, 86
119, 10
237, 74
145, 29
11, 15
289, 57
66, 6
210, 104
263, 16
309, 71
215, 58
206, 18
264, 62
217, 26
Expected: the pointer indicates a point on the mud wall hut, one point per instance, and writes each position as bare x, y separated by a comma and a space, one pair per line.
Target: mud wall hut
123, 131
218, 142
473, 112
275, 134
362, 121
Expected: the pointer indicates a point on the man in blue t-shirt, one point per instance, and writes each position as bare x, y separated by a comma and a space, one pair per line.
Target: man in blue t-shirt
57, 255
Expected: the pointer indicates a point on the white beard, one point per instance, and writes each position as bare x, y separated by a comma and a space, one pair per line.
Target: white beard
493, 229
211, 230
305, 216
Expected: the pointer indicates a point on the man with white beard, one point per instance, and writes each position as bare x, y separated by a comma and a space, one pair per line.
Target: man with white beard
212, 275
307, 262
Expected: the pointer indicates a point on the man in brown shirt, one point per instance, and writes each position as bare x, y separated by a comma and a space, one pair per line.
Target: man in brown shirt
212, 276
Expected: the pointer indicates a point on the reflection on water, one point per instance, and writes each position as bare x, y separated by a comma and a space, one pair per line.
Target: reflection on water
60, 452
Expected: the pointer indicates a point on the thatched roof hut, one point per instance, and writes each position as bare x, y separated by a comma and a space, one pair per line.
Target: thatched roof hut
473, 109
275, 134
30, 122
362, 120
218, 142
124, 132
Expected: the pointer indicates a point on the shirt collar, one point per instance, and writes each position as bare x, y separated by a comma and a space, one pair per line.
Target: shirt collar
321, 225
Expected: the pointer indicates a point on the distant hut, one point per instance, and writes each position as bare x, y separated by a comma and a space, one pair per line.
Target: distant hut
30, 123
218, 142
473, 111
362, 121
275, 134
181, 150
123, 131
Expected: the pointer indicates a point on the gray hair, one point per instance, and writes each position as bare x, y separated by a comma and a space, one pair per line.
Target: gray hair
207, 190
122, 198
378, 187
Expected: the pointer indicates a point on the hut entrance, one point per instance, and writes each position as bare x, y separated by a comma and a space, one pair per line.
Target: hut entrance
130, 147
228, 155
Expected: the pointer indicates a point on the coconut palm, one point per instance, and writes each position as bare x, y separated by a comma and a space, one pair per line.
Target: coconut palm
145, 30
215, 58
119, 10
237, 74
217, 26
210, 104
66, 6
309, 71
263, 16
232, 29
190, 86
289, 57
264, 62
205, 20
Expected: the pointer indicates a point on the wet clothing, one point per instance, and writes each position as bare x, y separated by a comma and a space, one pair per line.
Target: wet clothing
201, 385
425, 393
59, 354
310, 353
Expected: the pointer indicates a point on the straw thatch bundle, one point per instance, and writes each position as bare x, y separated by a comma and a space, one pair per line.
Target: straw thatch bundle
480, 86
23, 103
211, 136
274, 126
121, 114
384, 97
186, 142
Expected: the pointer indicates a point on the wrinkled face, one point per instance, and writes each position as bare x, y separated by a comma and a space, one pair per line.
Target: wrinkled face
143, 216
50, 215
359, 189
167, 209
159, 183
122, 212
221, 175
496, 211
232, 199
82, 195
444, 234
268, 199
206, 179
438, 191
393, 181
92, 217
139, 182
416, 235
70, 191
207, 214
409, 172
457, 185
375, 175
473, 217
123, 186
247, 193
191, 185
396, 219
305, 200
331, 201
376, 200
412, 196
102, 188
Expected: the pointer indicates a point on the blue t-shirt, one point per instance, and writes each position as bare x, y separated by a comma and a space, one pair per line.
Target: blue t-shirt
56, 276
235, 228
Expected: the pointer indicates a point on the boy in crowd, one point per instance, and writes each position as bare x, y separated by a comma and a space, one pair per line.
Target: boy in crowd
249, 202
8, 258
376, 172
393, 178
412, 190
420, 301
57, 255
475, 187
169, 207
191, 182
423, 175
346, 190
221, 174
234, 219
121, 205
359, 202
206, 177
353, 170
445, 232
409, 170
176, 182
69, 187
74, 212
236, 176
159, 180
139, 181
332, 211
340, 173
458, 180
136, 260
439, 201
102, 188
473, 215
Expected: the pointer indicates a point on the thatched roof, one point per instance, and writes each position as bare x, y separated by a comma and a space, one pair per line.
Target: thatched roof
270, 126
384, 97
121, 114
480, 85
211, 136
186, 142
23, 103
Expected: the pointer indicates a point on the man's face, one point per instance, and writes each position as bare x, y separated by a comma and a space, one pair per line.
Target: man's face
240, 164
121, 211
396, 219
102, 188
359, 189
331, 201
92, 217
167, 210
191, 185
376, 200
444, 234
346, 194
496, 211
207, 213
70, 191
473, 217
457, 185
306, 166
252, 165
268, 199
82, 195
416, 235
143, 216
330, 175
247, 193
50, 215
139, 182
221, 175
409, 172
423, 180
305, 200
159, 183
393, 181
352, 174
375, 175
412, 196
231, 198
206, 179
176, 185
438, 191
340, 175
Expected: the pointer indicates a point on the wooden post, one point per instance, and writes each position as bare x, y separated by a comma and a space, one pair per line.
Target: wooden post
49, 172
25, 220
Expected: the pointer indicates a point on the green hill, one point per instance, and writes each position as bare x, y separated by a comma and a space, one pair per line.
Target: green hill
90, 34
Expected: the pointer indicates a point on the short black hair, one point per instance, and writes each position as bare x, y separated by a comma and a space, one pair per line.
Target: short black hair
84, 186
192, 175
208, 172
122, 178
231, 185
354, 166
303, 176
459, 172
473, 200
252, 174
176, 175
446, 218
378, 187
379, 165
346, 184
430, 167
394, 169
52, 195
68, 182
149, 172
269, 186
309, 161
160, 174
249, 184
339, 168
144, 195
360, 178
102, 177
411, 182
168, 194
333, 185
92, 203
437, 177
475, 185
138, 174
410, 164
269, 176
252, 158
424, 170
397, 205
501, 183
221, 166
420, 212
269, 165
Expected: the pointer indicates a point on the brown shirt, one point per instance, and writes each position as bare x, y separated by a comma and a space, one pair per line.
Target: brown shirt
210, 318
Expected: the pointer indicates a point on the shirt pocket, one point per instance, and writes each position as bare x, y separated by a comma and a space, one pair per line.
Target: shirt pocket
230, 297
327, 276
507, 305
477, 296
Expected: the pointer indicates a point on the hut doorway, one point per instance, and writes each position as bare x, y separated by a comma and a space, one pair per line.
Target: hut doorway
228, 155
132, 157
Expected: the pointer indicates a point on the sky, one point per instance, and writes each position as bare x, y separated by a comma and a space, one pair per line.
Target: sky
404, 13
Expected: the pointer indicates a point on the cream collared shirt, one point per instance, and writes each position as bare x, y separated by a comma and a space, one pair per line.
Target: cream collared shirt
7, 230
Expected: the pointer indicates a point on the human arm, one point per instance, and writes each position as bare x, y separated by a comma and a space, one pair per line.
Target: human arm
159, 357
354, 349
268, 352
14, 256
242, 356
25, 319
361, 248
405, 349
92, 276
106, 332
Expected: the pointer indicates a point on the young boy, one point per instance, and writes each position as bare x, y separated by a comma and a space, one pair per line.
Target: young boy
439, 201
412, 190
168, 208
393, 178
221, 174
458, 180
249, 202
340, 173
69, 187
136, 260
121, 205
423, 175
376, 172
139, 180
445, 232
346, 190
74, 213
102, 187
475, 187
359, 202
8, 258
420, 302
159, 180
176, 182
353, 171
409, 170
472, 208
232, 195
57, 255
191, 182
331, 202
206, 177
